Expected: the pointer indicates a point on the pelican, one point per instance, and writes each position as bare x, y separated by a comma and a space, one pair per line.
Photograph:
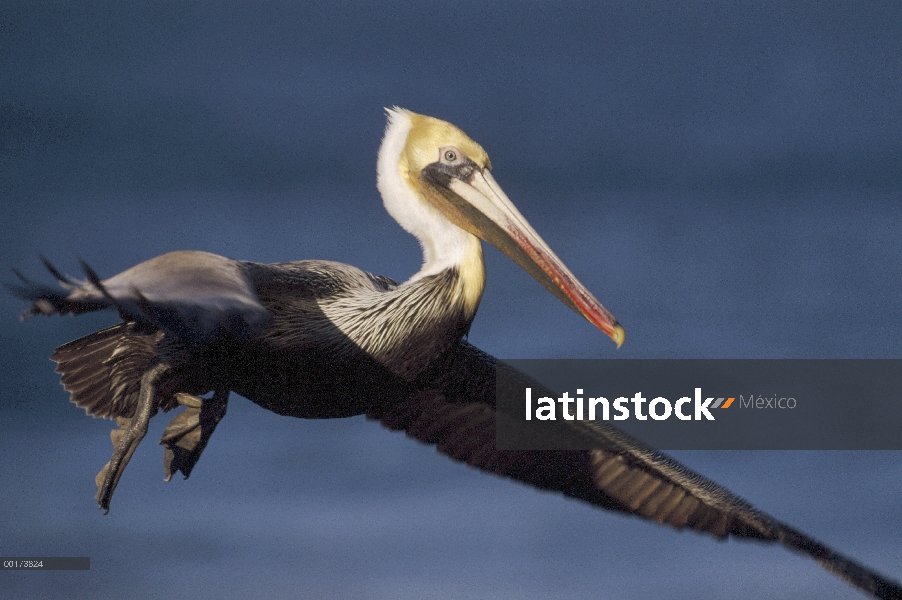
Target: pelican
319, 339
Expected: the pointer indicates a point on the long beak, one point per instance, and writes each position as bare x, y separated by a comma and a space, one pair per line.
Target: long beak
480, 207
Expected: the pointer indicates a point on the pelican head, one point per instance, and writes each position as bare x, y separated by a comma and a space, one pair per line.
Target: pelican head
437, 183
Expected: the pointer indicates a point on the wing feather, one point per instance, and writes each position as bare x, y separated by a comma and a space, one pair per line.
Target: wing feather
102, 371
453, 408
197, 297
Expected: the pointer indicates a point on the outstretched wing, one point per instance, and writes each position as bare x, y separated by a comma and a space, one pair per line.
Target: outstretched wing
454, 409
196, 296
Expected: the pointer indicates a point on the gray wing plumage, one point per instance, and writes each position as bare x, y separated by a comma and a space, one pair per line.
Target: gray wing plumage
454, 410
197, 296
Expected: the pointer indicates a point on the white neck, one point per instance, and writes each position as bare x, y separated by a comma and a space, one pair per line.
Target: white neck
444, 244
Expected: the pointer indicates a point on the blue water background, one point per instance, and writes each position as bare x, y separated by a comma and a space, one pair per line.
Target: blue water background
726, 178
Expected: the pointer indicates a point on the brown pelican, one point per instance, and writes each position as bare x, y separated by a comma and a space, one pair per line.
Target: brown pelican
318, 339
194, 322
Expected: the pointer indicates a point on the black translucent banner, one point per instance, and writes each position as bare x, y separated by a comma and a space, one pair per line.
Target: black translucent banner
700, 404
45, 563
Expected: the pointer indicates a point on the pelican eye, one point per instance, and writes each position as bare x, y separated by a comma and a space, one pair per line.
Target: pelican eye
451, 164
450, 155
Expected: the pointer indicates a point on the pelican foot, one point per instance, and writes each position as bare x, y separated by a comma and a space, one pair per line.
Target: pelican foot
187, 434
129, 435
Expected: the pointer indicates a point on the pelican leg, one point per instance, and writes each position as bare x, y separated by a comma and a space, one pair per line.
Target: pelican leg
130, 434
187, 434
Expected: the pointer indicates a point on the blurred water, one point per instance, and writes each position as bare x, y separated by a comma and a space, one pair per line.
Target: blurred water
727, 180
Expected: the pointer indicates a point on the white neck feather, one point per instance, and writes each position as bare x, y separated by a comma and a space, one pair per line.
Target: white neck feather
444, 244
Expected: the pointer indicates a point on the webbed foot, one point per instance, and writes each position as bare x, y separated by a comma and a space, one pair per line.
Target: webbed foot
187, 434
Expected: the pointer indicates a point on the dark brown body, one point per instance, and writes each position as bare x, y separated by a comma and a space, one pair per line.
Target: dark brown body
442, 396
